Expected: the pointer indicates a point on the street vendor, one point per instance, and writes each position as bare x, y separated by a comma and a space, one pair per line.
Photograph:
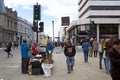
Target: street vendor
49, 51
43, 43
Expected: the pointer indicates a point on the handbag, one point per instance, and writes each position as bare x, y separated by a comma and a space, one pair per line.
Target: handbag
6, 50
100, 48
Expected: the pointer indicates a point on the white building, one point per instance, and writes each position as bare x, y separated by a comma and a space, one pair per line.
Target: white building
104, 13
24, 30
62, 34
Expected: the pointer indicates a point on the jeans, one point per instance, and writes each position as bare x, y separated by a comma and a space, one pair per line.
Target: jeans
70, 63
9, 54
86, 56
43, 55
100, 60
107, 64
24, 65
90, 51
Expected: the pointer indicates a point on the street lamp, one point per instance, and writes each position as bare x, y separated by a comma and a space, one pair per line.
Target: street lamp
25, 32
73, 39
53, 30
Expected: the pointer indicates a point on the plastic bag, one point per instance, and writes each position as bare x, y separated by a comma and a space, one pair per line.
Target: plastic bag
47, 69
104, 54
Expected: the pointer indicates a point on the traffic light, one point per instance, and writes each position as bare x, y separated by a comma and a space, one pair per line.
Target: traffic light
92, 23
41, 24
36, 13
93, 29
35, 26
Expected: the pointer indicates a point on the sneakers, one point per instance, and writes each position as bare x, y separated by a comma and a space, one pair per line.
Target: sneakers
11, 55
68, 72
100, 67
71, 68
46, 75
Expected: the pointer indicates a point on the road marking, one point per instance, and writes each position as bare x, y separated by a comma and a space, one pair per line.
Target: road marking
9, 66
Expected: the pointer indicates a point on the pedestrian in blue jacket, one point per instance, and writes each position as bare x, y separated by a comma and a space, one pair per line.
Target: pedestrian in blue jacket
85, 47
24, 57
49, 51
49, 47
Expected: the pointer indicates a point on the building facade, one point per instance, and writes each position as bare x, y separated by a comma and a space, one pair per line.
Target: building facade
97, 18
8, 25
25, 30
12, 27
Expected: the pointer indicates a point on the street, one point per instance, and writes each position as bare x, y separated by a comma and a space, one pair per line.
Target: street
10, 68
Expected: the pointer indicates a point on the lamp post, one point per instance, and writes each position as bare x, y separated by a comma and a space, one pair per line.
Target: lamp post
25, 33
53, 30
73, 39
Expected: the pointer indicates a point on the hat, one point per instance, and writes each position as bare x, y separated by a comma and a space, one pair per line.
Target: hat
117, 42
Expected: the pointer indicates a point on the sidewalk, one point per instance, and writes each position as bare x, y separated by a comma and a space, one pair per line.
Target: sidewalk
82, 71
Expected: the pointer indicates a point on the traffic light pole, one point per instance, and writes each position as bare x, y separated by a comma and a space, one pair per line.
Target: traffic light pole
37, 33
53, 31
36, 18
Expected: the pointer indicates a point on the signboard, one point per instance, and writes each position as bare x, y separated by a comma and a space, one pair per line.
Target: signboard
65, 21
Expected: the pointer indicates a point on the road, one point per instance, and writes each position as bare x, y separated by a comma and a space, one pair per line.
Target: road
10, 68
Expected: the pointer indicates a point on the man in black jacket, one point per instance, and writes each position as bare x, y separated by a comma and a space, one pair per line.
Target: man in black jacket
114, 56
69, 52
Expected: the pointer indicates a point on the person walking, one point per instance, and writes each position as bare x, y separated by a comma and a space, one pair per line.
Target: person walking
114, 56
95, 47
108, 45
8, 49
91, 47
24, 57
100, 51
62, 45
69, 52
85, 47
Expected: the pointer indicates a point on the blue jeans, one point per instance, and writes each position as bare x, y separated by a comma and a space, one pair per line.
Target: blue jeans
107, 64
70, 63
86, 56
100, 60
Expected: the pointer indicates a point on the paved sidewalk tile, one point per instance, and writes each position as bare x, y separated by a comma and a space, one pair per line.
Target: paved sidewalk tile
82, 71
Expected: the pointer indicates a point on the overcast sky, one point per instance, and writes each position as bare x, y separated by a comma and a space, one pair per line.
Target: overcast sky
51, 10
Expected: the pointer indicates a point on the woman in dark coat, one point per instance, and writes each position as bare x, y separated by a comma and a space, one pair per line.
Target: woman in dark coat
9, 45
114, 56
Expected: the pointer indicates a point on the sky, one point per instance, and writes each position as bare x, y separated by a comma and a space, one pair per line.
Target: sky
51, 10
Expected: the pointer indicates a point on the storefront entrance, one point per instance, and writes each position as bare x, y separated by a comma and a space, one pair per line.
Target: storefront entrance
108, 29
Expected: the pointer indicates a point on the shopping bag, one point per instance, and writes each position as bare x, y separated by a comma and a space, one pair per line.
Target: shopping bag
104, 54
47, 69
